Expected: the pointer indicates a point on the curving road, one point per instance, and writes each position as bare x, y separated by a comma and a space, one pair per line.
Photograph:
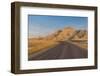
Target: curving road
64, 50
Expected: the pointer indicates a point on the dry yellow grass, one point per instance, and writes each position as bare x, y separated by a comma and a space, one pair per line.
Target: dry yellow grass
85, 46
35, 45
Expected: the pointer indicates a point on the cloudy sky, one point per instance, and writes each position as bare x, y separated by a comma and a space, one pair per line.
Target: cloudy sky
42, 25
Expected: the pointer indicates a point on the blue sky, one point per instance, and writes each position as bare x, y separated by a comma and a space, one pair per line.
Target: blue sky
42, 25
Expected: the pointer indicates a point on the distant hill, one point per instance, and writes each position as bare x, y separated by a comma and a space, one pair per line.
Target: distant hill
67, 33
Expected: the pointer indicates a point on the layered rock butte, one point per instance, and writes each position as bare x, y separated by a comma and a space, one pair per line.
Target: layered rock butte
67, 33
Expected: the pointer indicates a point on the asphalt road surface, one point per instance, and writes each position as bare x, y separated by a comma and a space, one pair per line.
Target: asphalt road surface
64, 50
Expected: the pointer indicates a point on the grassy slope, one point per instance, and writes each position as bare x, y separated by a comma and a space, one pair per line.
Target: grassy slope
38, 45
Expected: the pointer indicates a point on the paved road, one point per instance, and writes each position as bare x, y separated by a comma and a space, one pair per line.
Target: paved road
64, 50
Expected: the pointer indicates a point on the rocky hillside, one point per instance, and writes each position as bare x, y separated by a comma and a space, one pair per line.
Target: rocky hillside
68, 33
